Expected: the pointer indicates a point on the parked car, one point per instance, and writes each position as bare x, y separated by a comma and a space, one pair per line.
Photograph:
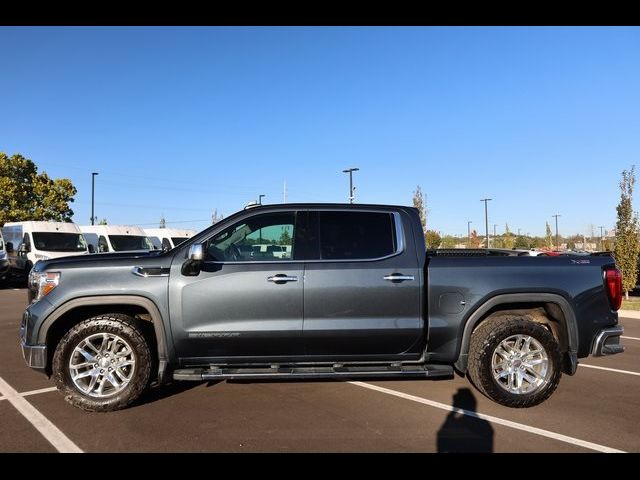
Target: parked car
29, 242
4, 263
359, 297
168, 238
116, 238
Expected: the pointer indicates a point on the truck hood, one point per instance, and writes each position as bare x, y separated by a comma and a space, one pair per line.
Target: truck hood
102, 260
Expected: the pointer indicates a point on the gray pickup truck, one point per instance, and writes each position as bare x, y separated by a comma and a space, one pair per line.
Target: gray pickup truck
316, 291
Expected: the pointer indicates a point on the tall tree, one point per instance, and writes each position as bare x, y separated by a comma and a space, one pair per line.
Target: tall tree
163, 222
103, 222
475, 241
508, 240
27, 195
420, 204
548, 238
432, 239
627, 247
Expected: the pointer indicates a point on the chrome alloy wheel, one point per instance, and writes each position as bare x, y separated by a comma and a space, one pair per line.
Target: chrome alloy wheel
102, 365
520, 364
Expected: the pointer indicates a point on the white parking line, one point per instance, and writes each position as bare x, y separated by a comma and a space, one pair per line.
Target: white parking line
492, 419
610, 369
629, 338
34, 392
48, 430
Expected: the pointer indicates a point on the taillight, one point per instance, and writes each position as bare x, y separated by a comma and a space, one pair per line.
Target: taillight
613, 283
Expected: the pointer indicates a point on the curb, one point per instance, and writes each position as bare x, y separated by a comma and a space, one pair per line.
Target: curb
629, 314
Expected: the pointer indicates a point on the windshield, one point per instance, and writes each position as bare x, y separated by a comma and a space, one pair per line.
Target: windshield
178, 240
129, 242
59, 242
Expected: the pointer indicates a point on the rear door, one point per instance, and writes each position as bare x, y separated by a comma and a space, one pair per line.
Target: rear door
362, 289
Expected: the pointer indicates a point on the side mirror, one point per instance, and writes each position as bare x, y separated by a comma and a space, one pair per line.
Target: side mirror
24, 248
92, 249
196, 252
191, 268
9, 247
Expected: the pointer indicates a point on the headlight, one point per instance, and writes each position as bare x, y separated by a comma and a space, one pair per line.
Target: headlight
42, 283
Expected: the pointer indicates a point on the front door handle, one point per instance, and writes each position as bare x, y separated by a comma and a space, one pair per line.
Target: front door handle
282, 278
398, 277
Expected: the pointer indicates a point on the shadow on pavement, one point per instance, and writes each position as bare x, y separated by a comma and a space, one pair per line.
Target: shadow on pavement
159, 392
464, 434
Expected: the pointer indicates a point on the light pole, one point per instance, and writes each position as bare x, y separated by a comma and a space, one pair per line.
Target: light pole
486, 219
93, 189
260, 199
601, 227
469, 233
351, 187
557, 243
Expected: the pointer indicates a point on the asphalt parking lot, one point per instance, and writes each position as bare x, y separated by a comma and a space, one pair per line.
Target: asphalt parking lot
598, 409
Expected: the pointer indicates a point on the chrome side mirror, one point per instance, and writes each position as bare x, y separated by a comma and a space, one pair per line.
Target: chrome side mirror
191, 268
196, 252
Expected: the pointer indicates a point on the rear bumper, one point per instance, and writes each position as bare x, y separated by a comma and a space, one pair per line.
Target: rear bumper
607, 342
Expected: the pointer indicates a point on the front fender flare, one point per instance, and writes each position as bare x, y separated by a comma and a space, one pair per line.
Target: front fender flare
136, 300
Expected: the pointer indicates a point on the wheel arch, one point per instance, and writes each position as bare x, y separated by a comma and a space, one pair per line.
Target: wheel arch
78, 309
557, 311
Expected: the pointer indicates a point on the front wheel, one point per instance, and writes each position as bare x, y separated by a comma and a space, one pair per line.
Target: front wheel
103, 363
514, 361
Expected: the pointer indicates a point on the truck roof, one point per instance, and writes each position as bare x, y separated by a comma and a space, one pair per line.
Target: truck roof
355, 206
35, 226
113, 230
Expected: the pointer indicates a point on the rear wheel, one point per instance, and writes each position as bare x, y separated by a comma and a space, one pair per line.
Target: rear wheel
514, 361
103, 363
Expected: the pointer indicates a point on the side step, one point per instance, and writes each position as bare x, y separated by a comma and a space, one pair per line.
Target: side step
335, 371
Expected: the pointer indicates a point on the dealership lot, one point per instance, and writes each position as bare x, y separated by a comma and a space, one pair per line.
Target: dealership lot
596, 410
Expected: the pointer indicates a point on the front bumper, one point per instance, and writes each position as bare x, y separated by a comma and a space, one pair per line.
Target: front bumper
607, 342
34, 355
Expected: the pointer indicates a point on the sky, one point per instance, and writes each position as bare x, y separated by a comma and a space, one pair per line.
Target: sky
181, 121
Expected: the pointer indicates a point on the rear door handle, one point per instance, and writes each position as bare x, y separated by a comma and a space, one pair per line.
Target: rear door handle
282, 278
398, 277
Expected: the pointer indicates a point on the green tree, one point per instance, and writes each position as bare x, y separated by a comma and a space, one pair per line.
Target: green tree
508, 239
548, 237
521, 242
420, 204
27, 195
102, 222
448, 241
432, 239
627, 247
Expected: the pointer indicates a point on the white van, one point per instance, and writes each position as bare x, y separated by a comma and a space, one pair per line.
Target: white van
28, 242
168, 238
116, 238
4, 263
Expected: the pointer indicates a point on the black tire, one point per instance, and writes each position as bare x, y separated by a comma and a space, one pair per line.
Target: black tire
486, 338
121, 325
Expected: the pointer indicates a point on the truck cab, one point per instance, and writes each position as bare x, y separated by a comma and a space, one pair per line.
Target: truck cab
116, 238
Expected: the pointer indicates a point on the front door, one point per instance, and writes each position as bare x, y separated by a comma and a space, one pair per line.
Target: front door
246, 302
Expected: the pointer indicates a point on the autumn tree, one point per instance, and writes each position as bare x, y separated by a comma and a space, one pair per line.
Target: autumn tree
420, 204
27, 195
432, 238
627, 247
449, 241
474, 241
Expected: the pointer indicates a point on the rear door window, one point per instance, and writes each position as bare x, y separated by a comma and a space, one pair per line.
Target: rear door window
356, 235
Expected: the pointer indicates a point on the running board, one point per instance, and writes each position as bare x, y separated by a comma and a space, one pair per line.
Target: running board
335, 371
